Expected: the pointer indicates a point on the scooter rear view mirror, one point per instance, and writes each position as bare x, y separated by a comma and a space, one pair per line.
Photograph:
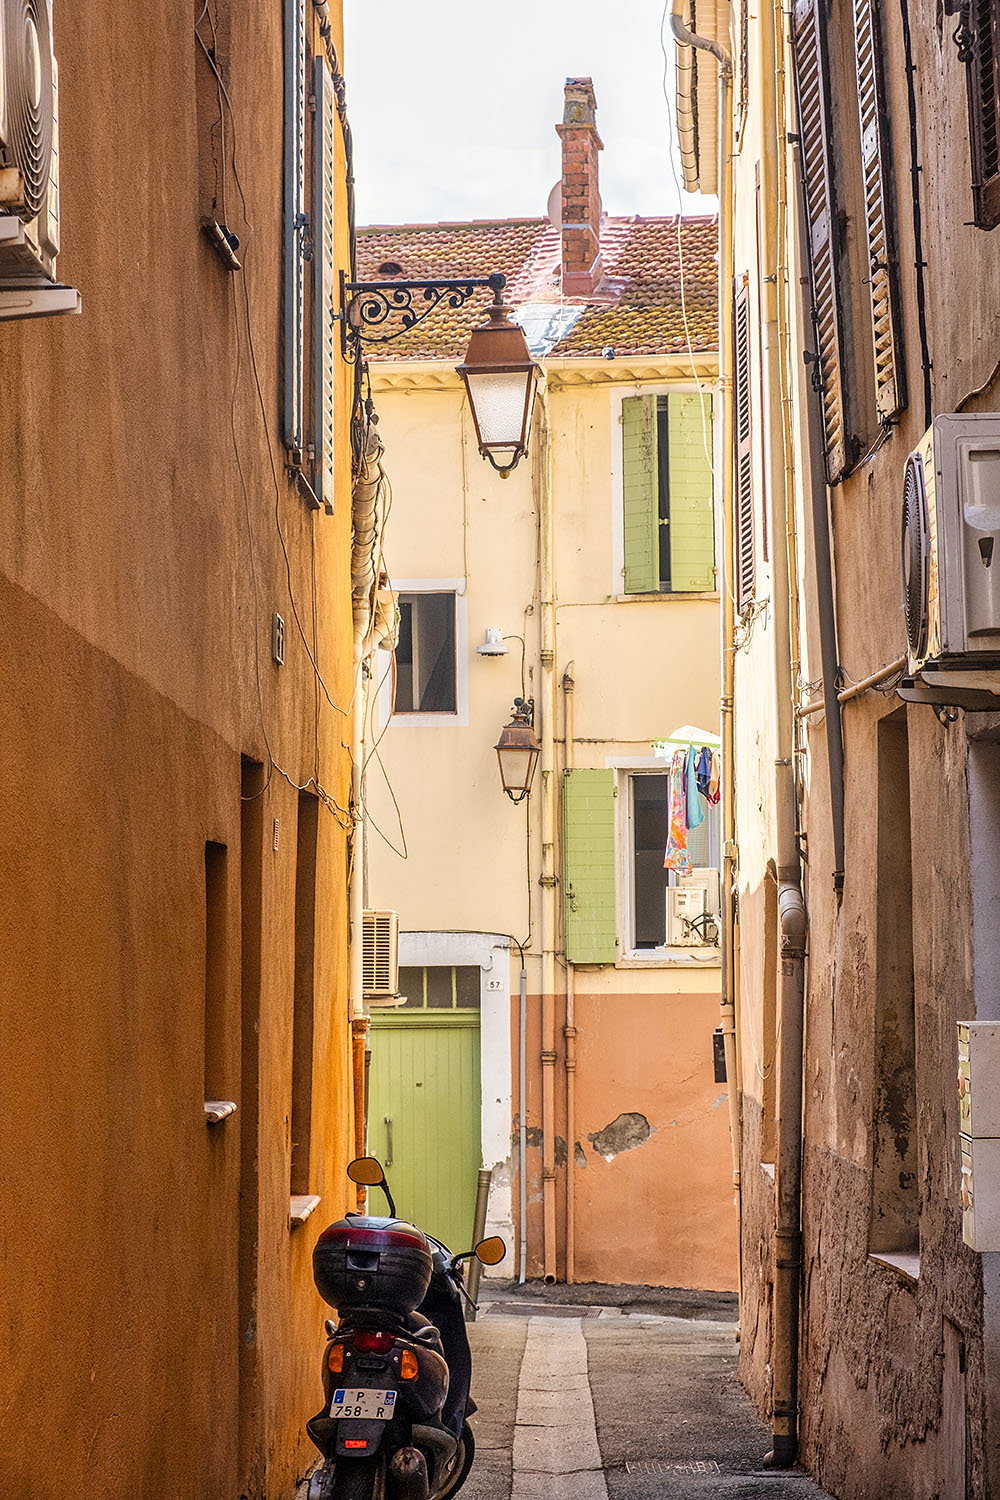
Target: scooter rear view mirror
492, 1251
366, 1171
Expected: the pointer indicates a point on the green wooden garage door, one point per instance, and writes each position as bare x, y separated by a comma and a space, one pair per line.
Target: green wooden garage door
424, 1116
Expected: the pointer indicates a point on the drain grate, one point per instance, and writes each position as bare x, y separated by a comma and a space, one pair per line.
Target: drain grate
671, 1466
544, 1310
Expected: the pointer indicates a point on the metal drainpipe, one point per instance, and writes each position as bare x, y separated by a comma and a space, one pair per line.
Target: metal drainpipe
547, 878
569, 1030
729, 997
791, 906
522, 1149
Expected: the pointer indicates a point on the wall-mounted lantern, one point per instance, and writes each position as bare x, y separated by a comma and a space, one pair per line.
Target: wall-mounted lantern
518, 750
498, 372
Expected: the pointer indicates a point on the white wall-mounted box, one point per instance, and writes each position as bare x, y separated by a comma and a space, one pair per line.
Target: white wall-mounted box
979, 1078
981, 1192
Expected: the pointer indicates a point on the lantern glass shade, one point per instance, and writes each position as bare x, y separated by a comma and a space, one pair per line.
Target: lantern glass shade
501, 402
500, 377
517, 751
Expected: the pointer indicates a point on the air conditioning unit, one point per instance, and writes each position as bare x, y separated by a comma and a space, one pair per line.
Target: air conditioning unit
693, 919
380, 957
951, 563
29, 165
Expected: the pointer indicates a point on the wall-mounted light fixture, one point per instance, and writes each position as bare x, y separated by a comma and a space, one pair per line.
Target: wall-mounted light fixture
498, 372
518, 750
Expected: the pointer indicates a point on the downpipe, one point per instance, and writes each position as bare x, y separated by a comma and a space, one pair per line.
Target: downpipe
548, 823
788, 1181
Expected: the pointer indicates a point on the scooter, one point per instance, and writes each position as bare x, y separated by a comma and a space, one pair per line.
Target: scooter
397, 1367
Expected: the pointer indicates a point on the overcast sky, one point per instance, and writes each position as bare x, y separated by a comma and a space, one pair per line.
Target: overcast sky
453, 106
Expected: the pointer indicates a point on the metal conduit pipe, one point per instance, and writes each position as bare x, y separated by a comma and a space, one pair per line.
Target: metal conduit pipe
569, 1030
522, 1142
547, 879
683, 34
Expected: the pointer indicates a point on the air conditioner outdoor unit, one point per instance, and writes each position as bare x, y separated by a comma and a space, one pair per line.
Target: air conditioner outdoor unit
693, 910
380, 957
29, 165
951, 562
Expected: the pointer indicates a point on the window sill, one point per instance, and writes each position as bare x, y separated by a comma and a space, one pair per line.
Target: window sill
217, 1110
301, 1206
906, 1263
671, 958
661, 595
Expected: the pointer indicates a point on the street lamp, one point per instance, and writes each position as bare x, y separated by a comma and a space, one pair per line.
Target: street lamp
498, 372
518, 750
500, 377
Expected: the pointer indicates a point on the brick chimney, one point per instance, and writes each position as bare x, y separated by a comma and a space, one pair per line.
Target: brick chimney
581, 198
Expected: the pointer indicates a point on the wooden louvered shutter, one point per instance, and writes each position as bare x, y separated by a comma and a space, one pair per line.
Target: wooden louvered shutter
876, 156
640, 485
295, 226
745, 548
589, 866
812, 83
691, 494
324, 339
984, 110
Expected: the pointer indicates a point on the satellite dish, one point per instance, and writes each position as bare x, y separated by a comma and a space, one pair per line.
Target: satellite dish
553, 208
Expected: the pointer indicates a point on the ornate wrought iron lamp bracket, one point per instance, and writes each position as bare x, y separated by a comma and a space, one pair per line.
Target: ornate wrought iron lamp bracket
376, 312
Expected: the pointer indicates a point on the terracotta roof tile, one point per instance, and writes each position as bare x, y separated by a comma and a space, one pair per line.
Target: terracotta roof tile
637, 309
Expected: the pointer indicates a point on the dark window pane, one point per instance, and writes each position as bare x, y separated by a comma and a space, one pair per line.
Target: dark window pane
425, 656
650, 815
663, 490
467, 988
439, 987
411, 984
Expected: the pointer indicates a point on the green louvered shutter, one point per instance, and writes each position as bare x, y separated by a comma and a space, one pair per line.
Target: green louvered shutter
692, 518
326, 350
589, 866
639, 469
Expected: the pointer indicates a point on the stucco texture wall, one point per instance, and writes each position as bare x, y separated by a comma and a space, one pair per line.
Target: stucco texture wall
650, 1165
888, 1403
161, 1328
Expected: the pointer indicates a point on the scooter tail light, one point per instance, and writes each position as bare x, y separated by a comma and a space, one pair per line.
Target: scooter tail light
409, 1368
335, 1359
369, 1341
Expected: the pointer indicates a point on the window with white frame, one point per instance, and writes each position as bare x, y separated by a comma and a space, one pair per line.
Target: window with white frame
649, 907
668, 521
426, 678
619, 900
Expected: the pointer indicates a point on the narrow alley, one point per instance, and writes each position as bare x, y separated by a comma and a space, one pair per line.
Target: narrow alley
580, 1401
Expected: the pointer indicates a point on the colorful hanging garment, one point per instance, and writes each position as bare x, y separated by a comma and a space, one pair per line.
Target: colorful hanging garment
677, 856
714, 777
703, 770
695, 811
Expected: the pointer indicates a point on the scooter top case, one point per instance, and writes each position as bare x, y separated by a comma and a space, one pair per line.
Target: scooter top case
373, 1263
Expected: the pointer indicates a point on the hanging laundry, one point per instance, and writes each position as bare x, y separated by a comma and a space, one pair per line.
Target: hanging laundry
695, 811
714, 777
703, 770
677, 856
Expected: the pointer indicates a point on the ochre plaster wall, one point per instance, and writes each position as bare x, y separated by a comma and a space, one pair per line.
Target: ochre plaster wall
161, 1320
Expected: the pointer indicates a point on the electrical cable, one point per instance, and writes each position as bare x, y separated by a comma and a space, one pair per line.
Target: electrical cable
342, 814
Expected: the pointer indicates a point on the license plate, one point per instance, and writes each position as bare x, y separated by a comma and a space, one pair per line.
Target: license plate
376, 1406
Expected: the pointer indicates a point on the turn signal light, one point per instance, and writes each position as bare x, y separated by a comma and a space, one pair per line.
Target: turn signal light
408, 1367
372, 1342
335, 1359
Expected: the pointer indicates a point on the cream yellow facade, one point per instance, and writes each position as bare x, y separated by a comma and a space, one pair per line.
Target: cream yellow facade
609, 673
